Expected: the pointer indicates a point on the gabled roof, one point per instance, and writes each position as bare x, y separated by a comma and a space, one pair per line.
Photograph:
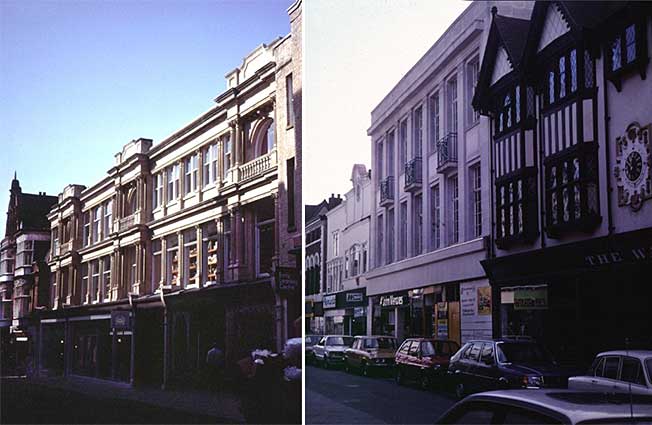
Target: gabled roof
27, 211
505, 32
313, 211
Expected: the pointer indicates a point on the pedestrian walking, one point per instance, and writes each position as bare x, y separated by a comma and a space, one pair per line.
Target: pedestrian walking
215, 365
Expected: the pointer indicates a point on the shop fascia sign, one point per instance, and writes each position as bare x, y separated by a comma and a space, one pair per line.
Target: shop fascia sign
354, 297
330, 301
393, 301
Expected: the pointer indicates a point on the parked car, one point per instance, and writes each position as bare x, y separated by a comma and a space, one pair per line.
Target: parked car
617, 371
505, 363
424, 360
370, 352
329, 351
309, 343
549, 407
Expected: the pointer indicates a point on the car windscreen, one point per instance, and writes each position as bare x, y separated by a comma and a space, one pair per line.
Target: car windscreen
648, 366
519, 352
339, 341
312, 340
382, 343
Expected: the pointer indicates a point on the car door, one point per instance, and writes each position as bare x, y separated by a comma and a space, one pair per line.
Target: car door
401, 355
355, 351
590, 381
319, 349
473, 382
413, 360
632, 377
486, 370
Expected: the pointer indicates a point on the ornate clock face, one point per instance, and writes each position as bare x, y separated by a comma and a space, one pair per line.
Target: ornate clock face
633, 169
633, 166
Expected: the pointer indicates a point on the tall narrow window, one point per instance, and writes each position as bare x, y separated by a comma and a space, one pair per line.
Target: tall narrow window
477, 200
158, 191
85, 287
434, 121
172, 260
95, 281
336, 243
402, 148
289, 100
173, 182
562, 77
630, 43
573, 71
291, 195
157, 264
472, 71
379, 160
615, 54
417, 224
270, 138
390, 235
417, 119
226, 248
454, 219
106, 278
96, 223
108, 218
191, 174
87, 228
190, 257
380, 232
402, 238
451, 93
435, 234
390, 153
210, 165
227, 154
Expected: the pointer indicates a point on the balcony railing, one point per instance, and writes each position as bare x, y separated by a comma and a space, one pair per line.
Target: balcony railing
387, 191
127, 222
447, 152
413, 174
257, 166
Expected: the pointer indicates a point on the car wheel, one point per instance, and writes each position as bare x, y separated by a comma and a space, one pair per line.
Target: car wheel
424, 381
400, 379
365, 369
460, 391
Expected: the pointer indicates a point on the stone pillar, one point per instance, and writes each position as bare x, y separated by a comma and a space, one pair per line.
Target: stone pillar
220, 162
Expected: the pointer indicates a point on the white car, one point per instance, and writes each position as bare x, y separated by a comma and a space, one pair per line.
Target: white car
329, 350
617, 372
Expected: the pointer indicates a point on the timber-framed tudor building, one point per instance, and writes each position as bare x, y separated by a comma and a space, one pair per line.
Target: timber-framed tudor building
568, 96
186, 242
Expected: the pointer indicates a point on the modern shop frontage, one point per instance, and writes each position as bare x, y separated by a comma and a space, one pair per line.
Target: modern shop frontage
453, 311
578, 299
315, 323
345, 313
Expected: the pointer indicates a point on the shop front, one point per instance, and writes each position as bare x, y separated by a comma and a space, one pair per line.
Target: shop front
578, 299
345, 313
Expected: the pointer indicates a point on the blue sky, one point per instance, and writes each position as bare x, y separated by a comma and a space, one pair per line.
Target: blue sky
79, 79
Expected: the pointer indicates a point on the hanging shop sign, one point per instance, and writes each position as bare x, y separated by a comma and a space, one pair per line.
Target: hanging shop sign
531, 298
393, 301
286, 278
330, 301
121, 320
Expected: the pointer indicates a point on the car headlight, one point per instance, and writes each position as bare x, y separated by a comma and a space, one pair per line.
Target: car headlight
533, 381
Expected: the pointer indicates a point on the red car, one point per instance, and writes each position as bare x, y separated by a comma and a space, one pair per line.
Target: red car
424, 360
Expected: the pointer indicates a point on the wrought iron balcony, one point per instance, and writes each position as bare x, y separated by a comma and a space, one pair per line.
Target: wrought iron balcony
387, 191
447, 152
413, 172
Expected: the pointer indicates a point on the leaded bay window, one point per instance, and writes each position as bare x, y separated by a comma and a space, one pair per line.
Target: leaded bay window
561, 81
572, 190
516, 207
626, 50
